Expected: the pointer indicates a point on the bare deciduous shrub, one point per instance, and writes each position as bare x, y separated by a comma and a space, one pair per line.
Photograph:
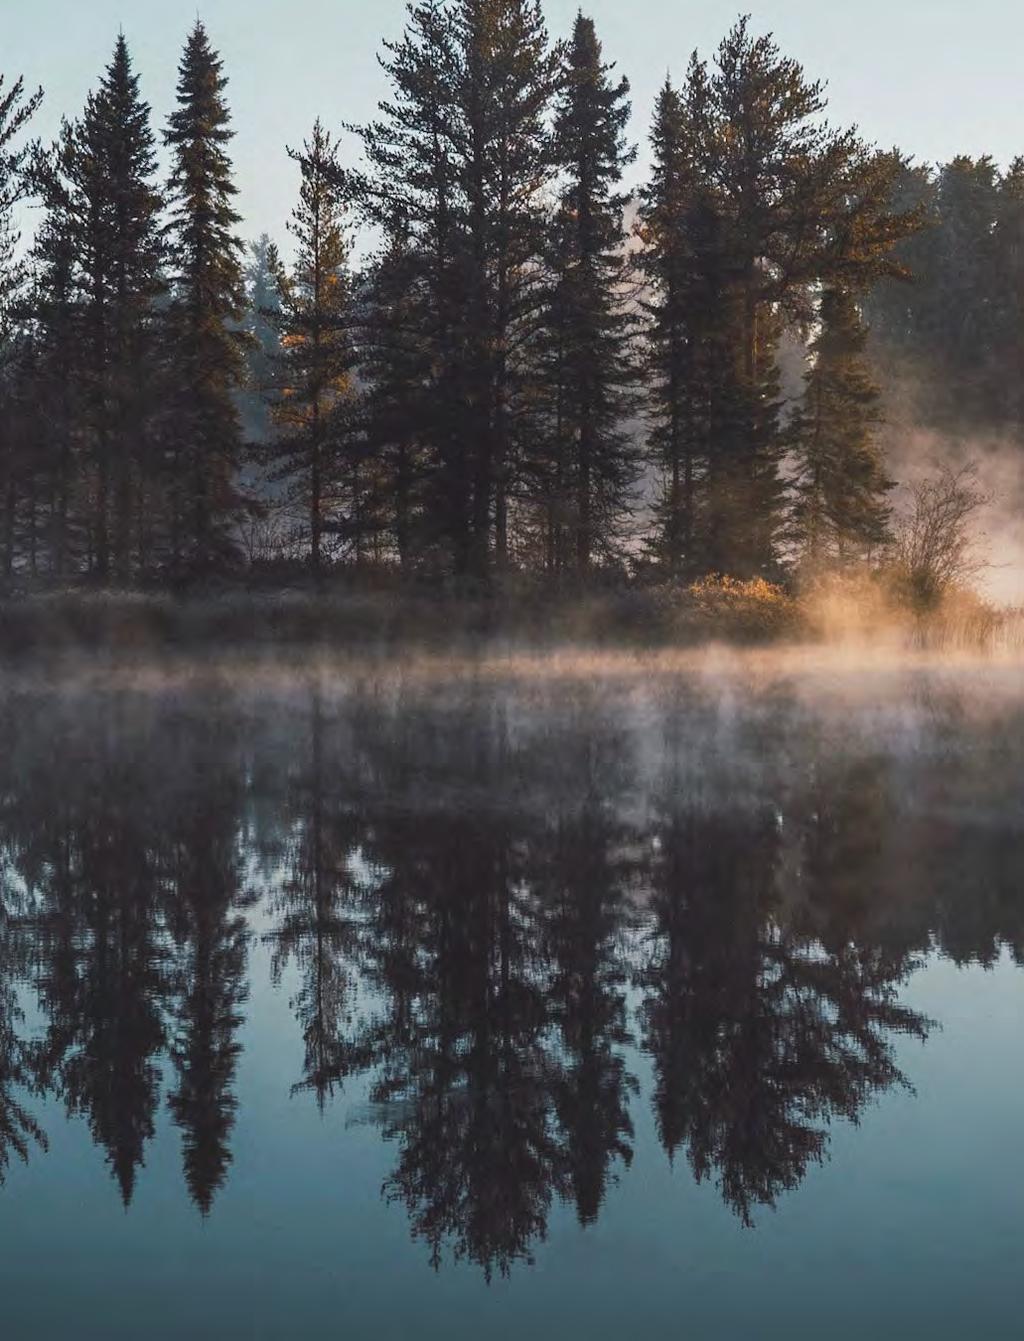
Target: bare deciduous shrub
936, 546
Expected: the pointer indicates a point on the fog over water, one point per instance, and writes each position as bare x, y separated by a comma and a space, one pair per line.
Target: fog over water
636, 990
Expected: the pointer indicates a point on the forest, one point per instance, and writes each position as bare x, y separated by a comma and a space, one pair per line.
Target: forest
474, 356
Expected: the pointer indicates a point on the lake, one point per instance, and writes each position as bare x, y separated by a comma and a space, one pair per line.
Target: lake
552, 996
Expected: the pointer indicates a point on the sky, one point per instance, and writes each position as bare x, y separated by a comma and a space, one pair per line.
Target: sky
935, 77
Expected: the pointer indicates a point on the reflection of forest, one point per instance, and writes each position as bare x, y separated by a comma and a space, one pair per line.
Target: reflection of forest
487, 901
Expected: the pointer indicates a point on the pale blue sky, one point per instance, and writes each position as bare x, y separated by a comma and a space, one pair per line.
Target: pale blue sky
937, 77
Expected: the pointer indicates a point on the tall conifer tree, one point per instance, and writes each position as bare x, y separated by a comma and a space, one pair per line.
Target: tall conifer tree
397, 400
314, 386
588, 477
16, 110
461, 153
207, 295
410, 191
676, 231
509, 76
135, 259
117, 142
55, 309
840, 511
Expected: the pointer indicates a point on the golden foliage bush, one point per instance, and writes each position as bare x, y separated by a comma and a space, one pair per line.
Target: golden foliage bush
737, 609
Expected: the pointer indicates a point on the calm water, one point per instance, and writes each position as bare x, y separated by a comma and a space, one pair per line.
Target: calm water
573, 1000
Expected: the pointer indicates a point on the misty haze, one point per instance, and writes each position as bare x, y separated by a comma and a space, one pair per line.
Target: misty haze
511, 648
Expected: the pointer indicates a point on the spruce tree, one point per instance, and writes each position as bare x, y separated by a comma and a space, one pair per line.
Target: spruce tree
461, 152
680, 305
16, 110
588, 326
410, 190
314, 388
780, 205
134, 255
57, 319
109, 161
509, 76
840, 511
206, 354
397, 404
98, 257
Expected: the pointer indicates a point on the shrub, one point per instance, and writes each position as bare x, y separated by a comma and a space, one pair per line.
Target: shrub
734, 608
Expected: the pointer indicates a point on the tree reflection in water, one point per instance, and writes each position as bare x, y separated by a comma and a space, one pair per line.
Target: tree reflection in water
489, 899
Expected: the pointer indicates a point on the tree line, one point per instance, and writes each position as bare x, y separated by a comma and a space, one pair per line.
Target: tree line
534, 370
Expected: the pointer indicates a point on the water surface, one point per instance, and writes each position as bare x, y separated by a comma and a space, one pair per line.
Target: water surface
550, 998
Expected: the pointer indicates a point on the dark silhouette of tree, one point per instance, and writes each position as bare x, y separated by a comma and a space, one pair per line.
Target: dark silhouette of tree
134, 257
93, 329
16, 110
674, 227
470, 1101
398, 409
207, 297
581, 870
55, 377
587, 464
85, 826
461, 156
841, 513
761, 1035
19, 1064
754, 205
317, 923
411, 187
205, 914
453, 944
314, 446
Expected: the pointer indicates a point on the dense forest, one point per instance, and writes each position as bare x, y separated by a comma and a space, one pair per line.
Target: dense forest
532, 370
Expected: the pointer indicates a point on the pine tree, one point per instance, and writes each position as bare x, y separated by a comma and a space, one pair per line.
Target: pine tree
314, 383
397, 404
99, 255
588, 477
207, 364
761, 125
510, 74
16, 110
410, 190
840, 511
676, 228
134, 255
462, 154
774, 206
57, 319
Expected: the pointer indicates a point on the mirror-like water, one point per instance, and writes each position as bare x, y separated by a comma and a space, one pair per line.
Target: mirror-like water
570, 999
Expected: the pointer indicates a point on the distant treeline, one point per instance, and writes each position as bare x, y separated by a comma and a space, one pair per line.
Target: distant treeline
534, 370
